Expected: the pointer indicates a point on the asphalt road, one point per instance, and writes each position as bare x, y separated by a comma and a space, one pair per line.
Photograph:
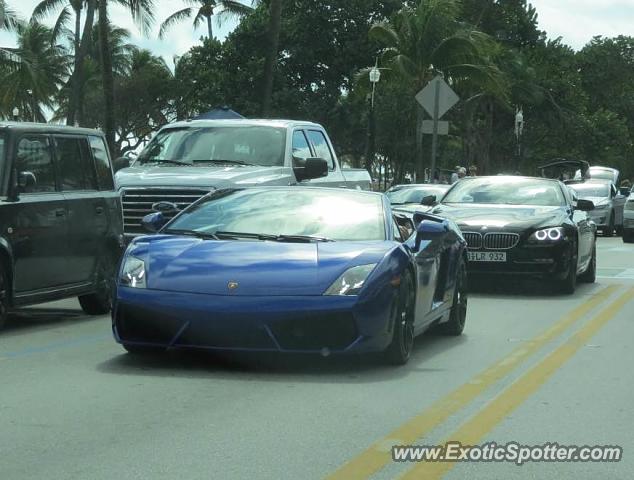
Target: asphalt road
532, 367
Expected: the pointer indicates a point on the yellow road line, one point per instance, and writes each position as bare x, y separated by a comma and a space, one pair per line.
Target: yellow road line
379, 454
478, 426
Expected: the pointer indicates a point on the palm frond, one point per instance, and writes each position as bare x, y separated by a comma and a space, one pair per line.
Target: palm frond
385, 34
46, 8
61, 25
173, 19
232, 10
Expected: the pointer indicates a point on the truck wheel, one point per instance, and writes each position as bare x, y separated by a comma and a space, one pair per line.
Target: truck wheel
100, 302
628, 236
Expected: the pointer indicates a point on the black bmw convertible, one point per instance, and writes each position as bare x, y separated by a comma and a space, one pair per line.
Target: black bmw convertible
524, 226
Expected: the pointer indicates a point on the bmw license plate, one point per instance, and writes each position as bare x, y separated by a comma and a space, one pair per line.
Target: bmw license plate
487, 256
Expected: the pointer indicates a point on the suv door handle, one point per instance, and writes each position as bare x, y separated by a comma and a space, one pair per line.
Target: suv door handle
60, 212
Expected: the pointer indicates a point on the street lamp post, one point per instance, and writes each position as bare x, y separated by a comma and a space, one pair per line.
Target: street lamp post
16, 114
375, 76
519, 130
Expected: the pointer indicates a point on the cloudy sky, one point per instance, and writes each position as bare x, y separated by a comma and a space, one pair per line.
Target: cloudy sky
577, 21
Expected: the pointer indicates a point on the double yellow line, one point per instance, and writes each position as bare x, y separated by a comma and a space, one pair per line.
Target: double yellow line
378, 455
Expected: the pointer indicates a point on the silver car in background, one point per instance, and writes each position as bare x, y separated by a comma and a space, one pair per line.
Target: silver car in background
408, 198
608, 204
628, 219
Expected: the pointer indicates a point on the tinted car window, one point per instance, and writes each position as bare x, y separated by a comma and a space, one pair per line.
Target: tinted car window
102, 163
75, 166
301, 149
34, 158
322, 150
319, 213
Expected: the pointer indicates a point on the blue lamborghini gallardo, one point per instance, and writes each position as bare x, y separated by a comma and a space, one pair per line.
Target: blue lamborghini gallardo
291, 269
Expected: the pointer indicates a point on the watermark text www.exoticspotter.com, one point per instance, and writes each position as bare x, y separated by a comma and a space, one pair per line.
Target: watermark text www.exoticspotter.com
509, 452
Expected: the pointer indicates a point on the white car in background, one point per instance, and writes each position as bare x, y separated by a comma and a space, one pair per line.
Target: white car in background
628, 219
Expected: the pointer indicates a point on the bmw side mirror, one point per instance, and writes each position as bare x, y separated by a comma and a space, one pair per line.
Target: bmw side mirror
428, 201
310, 168
584, 205
154, 222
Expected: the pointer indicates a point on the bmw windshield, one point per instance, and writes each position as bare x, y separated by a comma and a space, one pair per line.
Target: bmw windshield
284, 213
505, 190
236, 145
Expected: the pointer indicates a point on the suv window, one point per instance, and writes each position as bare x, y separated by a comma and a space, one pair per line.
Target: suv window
75, 165
301, 149
35, 160
102, 163
322, 150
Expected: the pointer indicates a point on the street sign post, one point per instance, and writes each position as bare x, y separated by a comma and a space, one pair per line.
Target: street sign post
437, 98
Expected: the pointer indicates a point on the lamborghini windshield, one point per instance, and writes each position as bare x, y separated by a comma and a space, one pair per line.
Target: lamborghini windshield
286, 212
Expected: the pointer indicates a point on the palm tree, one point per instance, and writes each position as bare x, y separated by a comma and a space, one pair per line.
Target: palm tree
45, 8
38, 70
141, 11
275, 26
205, 9
426, 40
8, 18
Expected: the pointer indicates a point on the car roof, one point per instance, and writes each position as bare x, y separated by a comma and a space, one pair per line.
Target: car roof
502, 177
48, 128
239, 122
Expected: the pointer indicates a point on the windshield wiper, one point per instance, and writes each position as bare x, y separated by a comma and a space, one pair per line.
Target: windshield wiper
227, 162
163, 160
192, 233
273, 238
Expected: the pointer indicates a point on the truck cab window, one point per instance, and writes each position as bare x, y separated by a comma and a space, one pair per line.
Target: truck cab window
322, 149
301, 149
102, 163
75, 167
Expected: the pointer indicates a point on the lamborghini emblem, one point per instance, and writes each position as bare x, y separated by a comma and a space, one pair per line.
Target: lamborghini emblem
232, 285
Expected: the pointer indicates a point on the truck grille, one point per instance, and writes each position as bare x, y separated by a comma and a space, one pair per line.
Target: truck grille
137, 203
500, 241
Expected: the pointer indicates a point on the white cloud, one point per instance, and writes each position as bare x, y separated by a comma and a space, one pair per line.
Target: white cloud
577, 21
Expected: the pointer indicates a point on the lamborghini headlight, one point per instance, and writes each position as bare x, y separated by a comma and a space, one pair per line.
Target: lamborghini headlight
133, 273
547, 235
351, 281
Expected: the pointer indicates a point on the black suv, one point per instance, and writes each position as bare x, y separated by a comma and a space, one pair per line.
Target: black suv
61, 227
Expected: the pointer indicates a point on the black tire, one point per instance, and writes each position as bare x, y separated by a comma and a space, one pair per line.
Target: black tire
590, 275
4, 297
569, 284
609, 231
628, 237
400, 349
458, 316
142, 349
100, 302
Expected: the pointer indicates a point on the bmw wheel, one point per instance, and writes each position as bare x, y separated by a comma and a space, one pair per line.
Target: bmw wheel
400, 349
590, 275
568, 284
4, 298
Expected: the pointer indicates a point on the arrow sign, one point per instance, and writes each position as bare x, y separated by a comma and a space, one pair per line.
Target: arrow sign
447, 98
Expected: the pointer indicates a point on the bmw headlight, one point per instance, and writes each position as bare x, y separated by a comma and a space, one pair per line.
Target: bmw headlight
547, 235
133, 273
351, 281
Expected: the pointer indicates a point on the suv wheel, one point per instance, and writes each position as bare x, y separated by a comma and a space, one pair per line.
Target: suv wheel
4, 298
100, 302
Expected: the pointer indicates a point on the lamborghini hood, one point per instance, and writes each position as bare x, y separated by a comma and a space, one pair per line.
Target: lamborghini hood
186, 264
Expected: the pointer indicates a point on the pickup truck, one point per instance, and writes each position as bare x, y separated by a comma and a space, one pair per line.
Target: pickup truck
186, 160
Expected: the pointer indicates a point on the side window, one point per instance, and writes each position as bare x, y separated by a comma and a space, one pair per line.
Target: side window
322, 149
102, 163
75, 165
397, 231
34, 160
301, 149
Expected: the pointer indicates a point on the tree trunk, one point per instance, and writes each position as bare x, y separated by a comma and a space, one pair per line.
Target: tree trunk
275, 26
107, 76
74, 81
86, 41
210, 31
420, 167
